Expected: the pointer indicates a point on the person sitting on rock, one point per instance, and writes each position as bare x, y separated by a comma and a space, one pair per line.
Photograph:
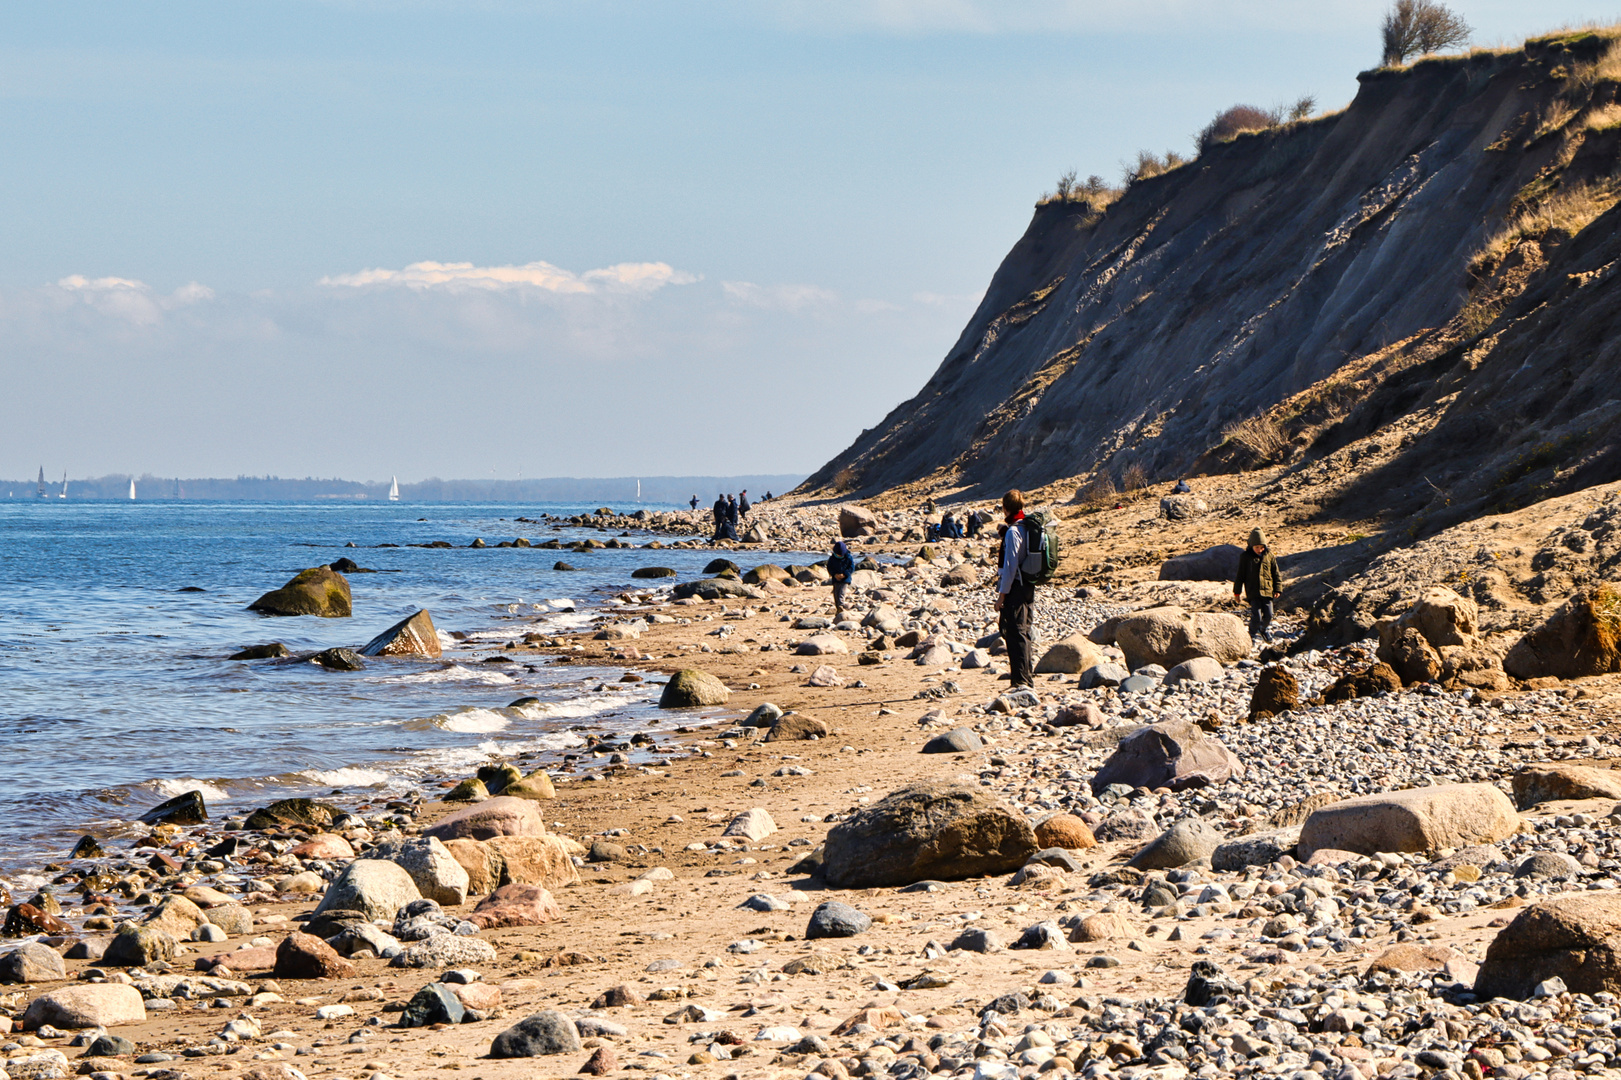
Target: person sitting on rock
1182, 488
1259, 581
841, 567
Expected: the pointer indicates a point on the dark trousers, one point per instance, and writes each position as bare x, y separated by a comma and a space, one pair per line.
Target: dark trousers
1261, 619
1015, 626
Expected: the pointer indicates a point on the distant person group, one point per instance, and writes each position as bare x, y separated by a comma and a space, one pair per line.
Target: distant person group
729, 512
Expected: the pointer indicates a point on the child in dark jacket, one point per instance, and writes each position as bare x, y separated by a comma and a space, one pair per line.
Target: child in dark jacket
840, 567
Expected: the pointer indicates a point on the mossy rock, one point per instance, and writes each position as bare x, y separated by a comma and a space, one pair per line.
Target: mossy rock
690, 688
766, 572
927, 553
496, 778
293, 812
652, 572
720, 566
537, 785
319, 591
468, 791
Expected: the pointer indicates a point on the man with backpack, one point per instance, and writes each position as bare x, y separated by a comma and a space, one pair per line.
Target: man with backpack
1015, 589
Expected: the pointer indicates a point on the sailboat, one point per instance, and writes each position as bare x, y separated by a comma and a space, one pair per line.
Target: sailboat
394, 490
132, 488
64, 492
42, 483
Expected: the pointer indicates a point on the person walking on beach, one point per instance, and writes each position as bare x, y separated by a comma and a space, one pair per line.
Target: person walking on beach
719, 512
1015, 597
1259, 582
841, 567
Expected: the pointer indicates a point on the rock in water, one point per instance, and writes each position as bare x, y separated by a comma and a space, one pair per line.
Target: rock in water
1417, 819
30, 963
857, 521
1219, 563
275, 650
1574, 938
546, 1032
690, 688
1070, 656
433, 1004
1175, 755
411, 636
1276, 691
722, 566
837, 920
89, 1005
1168, 635
926, 830
1545, 783
339, 660
652, 572
500, 816
317, 591
1182, 843
186, 809
716, 589
375, 888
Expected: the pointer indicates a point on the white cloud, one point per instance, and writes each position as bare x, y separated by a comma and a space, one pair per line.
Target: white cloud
621, 277
128, 300
778, 297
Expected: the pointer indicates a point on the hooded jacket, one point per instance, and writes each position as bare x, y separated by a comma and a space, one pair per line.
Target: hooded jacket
1258, 577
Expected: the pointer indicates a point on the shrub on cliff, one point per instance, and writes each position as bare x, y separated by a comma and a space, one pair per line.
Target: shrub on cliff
1415, 27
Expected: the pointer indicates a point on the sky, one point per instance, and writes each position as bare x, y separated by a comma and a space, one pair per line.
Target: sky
528, 238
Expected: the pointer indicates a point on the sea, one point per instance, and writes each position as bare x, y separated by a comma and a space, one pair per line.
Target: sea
117, 618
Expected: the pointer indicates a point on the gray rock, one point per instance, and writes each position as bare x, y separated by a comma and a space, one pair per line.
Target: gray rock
445, 951
1200, 669
1125, 825
1548, 864
1104, 674
956, 741
1256, 849
433, 869
763, 716
764, 902
1043, 935
1219, 563
1138, 684
1187, 841
1175, 755
837, 920
433, 1004
926, 830
32, 963
546, 1032
977, 939
373, 887
136, 945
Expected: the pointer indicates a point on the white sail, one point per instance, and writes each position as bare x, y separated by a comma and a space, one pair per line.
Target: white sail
64, 493
394, 490
132, 488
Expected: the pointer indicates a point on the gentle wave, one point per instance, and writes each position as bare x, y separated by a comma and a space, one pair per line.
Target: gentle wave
466, 721
350, 777
454, 673
170, 788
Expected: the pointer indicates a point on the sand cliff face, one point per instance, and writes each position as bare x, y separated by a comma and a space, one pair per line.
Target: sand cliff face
1323, 276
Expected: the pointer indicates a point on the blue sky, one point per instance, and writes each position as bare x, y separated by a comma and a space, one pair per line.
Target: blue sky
742, 232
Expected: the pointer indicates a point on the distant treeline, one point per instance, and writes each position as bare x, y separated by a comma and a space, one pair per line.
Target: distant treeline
654, 489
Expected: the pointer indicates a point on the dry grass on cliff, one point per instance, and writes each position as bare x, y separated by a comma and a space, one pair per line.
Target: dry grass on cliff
1569, 211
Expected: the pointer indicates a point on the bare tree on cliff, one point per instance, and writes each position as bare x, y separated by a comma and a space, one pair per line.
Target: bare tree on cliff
1416, 27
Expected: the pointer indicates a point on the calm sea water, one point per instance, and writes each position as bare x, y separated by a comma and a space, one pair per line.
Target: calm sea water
115, 690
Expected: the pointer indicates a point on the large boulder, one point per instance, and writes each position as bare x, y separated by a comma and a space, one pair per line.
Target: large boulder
765, 572
1182, 508
137, 945
1187, 841
31, 963
857, 521
1441, 617
1070, 656
411, 636
716, 589
1573, 938
1413, 659
689, 688
1219, 563
177, 915
928, 830
516, 905
1417, 819
436, 872
1175, 755
546, 1032
533, 785
90, 1005
1168, 635
481, 862
1582, 637
319, 590
1546, 783
373, 887
533, 860
501, 816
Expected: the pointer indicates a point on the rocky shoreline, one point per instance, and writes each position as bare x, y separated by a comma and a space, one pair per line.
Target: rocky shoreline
656, 905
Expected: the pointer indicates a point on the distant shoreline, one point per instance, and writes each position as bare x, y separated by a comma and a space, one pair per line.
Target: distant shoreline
641, 491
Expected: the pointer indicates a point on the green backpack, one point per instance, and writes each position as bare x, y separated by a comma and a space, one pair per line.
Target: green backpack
1041, 548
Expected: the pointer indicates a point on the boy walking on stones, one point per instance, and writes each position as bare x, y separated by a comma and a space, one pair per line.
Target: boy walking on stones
1014, 596
1259, 582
